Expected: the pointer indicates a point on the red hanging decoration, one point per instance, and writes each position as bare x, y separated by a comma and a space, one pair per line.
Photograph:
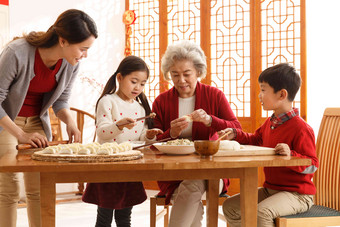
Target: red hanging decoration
129, 18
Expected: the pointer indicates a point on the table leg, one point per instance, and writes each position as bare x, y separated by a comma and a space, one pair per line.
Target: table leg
47, 199
212, 203
248, 198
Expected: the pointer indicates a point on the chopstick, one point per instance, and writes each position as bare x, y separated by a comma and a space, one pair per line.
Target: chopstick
151, 115
226, 134
25, 146
148, 144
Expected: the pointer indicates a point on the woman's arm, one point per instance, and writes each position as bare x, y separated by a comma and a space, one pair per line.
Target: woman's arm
71, 127
35, 139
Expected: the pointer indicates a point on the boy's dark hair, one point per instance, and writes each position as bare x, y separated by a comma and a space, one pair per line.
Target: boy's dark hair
282, 76
129, 65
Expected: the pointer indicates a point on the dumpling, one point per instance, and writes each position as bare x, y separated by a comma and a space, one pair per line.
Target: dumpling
84, 151
66, 150
104, 151
229, 145
188, 118
92, 148
127, 146
49, 150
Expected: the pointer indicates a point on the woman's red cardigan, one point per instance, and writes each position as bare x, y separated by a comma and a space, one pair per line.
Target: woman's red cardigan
208, 98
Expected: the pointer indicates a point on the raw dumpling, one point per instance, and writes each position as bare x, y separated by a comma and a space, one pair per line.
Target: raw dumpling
49, 150
104, 151
84, 151
187, 118
65, 150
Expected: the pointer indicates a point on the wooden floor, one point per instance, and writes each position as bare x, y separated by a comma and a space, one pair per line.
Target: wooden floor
77, 213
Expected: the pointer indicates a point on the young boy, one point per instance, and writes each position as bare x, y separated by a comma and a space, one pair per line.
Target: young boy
286, 190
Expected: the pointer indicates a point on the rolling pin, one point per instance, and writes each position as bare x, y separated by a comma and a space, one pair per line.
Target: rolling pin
29, 146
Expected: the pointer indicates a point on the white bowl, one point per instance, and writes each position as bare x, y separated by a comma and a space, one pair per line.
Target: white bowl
175, 149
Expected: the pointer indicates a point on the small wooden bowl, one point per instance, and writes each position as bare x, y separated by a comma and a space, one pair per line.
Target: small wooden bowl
206, 148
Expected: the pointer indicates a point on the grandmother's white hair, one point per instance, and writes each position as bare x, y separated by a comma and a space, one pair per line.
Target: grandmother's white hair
184, 50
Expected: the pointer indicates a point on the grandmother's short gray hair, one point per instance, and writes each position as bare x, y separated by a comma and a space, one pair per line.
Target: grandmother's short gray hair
184, 50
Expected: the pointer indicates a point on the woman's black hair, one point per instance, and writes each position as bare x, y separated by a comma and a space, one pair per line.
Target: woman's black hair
127, 66
73, 25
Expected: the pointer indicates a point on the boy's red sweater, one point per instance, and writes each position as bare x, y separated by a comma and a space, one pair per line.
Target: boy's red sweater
300, 138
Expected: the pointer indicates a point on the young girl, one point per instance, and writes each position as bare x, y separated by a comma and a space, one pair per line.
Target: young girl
112, 110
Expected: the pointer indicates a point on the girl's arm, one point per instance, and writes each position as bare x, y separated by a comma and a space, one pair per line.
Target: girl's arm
106, 122
73, 132
35, 139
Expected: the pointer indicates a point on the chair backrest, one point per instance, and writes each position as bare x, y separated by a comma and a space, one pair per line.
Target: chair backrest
327, 177
81, 121
81, 117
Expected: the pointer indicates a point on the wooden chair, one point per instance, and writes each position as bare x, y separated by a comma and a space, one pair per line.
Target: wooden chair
326, 211
80, 119
164, 213
80, 124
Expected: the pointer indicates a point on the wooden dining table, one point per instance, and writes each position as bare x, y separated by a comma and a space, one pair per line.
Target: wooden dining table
153, 166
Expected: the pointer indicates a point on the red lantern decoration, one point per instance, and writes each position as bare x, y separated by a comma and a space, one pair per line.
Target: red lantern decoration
129, 18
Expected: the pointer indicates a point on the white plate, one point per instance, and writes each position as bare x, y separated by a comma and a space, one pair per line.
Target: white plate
175, 149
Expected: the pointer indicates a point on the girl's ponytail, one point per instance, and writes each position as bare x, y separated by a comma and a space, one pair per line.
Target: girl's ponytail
141, 98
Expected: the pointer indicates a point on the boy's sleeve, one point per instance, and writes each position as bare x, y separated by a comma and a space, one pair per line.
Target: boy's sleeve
304, 146
249, 138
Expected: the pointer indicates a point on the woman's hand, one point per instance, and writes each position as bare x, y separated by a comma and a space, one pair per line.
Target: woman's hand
151, 133
126, 123
177, 126
74, 135
201, 116
229, 131
35, 139
282, 149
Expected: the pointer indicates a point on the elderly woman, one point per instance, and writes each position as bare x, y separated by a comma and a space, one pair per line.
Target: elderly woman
185, 63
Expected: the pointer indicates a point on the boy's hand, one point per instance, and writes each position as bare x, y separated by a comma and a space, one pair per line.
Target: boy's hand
282, 149
151, 133
126, 123
229, 131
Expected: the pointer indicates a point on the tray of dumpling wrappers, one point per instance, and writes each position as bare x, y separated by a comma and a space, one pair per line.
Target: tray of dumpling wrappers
233, 148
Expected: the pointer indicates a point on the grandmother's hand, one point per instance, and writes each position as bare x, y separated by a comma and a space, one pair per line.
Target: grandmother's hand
201, 116
177, 126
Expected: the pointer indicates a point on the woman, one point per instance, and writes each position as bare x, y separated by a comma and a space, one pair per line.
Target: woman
37, 71
184, 63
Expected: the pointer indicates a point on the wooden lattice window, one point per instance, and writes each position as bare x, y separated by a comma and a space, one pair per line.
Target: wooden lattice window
240, 39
